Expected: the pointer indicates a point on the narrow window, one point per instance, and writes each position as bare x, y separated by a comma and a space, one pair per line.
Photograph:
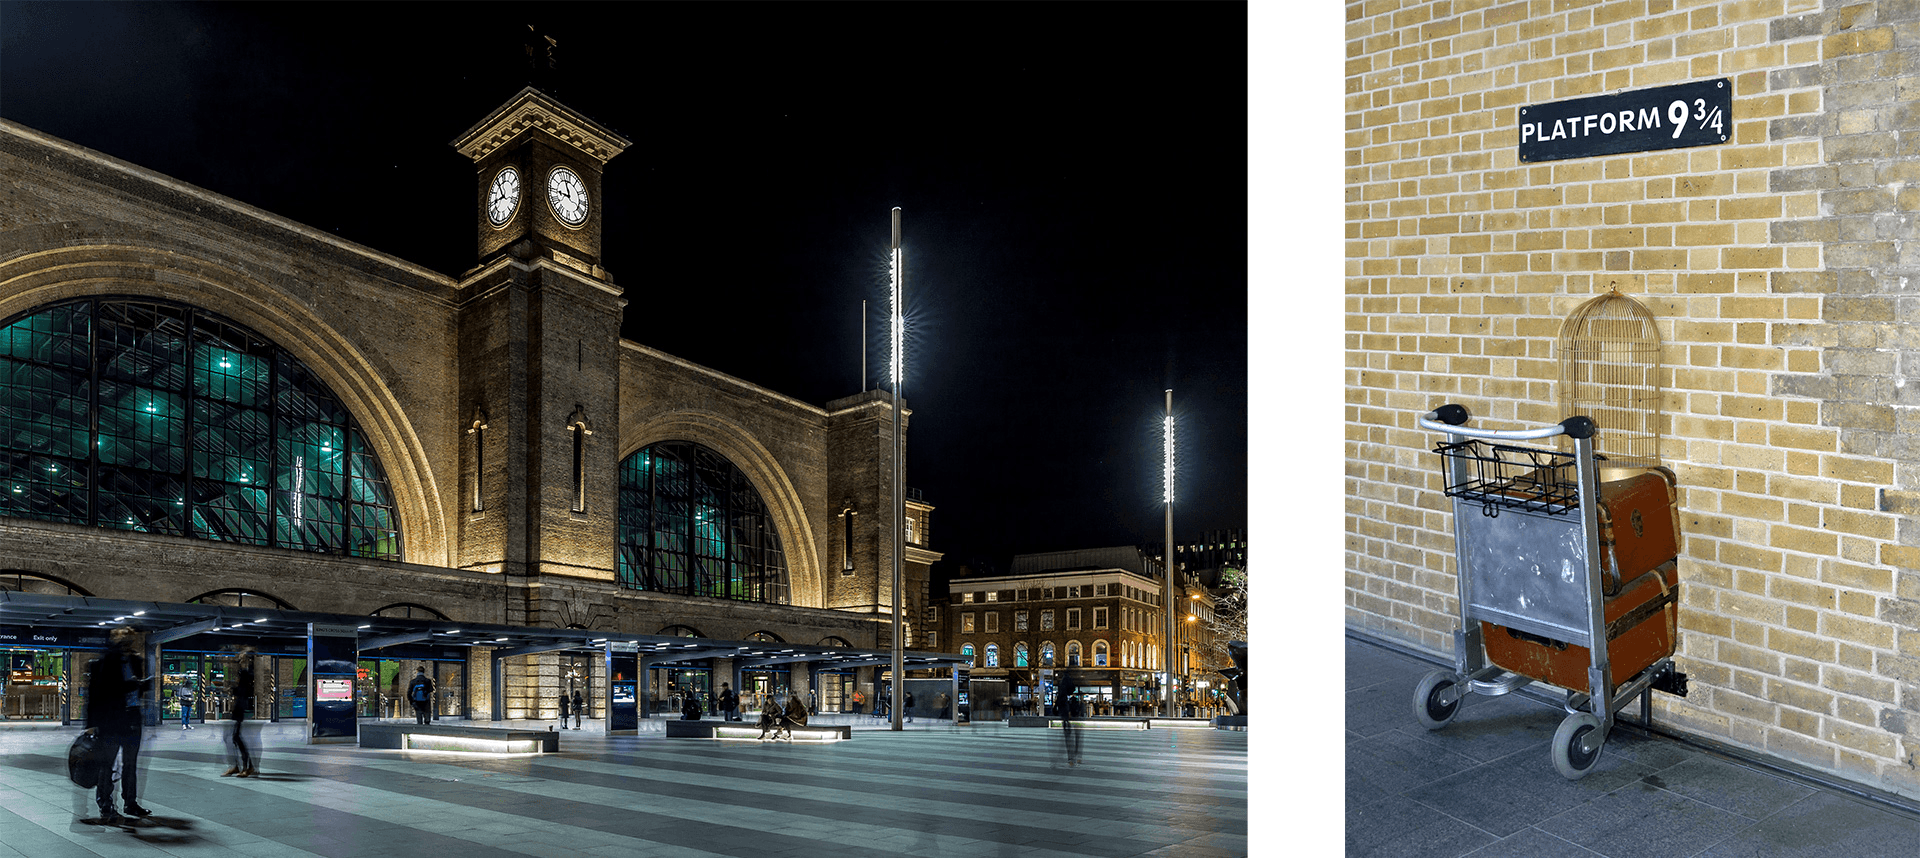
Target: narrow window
479, 432
993, 622
578, 425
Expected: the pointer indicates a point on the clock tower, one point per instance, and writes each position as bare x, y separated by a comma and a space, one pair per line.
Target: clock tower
538, 167
540, 362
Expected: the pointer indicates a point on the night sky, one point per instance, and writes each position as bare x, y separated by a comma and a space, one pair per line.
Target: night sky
1073, 178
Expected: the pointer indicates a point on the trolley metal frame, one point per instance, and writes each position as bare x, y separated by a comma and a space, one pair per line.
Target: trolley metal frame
1506, 577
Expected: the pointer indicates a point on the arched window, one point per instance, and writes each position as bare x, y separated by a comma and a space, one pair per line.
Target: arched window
993, 655
832, 640
765, 637
1099, 653
691, 523
966, 650
1073, 653
22, 581
1020, 655
1046, 654
680, 632
157, 417
409, 609
234, 598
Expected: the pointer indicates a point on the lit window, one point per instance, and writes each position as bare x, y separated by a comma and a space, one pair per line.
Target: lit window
1046, 654
1020, 655
157, 417
993, 655
1019, 621
1073, 653
966, 650
966, 623
692, 523
1046, 621
993, 595
1099, 653
966, 597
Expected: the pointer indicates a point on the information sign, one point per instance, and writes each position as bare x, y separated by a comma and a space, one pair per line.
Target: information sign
1667, 117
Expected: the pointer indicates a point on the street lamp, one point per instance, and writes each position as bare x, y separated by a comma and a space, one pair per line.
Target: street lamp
898, 361
1166, 650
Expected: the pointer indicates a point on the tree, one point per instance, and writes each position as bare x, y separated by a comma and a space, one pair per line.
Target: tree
1228, 624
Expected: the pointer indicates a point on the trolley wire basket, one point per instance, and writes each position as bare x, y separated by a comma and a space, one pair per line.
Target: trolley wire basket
1504, 476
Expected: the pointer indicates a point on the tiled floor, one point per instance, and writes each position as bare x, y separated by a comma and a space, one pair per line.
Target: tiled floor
983, 790
1485, 787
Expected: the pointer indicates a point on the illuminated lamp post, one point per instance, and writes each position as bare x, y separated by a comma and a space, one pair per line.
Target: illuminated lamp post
899, 693
1166, 602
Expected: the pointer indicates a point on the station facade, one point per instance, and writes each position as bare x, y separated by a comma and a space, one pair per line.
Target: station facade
202, 402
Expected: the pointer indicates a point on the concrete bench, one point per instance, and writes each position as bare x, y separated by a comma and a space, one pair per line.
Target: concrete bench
682, 729
458, 737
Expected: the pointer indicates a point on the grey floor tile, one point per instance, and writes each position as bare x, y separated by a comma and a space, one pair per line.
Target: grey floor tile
1521, 789
1824, 825
1395, 761
1752, 794
1531, 843
1640, 820
1396, 827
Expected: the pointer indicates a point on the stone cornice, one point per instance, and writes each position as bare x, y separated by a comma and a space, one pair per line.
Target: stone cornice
721, 376
529, 109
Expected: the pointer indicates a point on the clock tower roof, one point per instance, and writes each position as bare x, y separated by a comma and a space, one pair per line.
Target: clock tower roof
532, 109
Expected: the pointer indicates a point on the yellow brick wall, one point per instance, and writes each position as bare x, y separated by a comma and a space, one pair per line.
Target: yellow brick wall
1773, 265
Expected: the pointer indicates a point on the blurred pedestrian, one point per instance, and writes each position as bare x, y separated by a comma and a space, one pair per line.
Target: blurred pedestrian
579, 707
114, 686
729, 703
908, 712
239, 756
1070, 732
184, 694
420, 691
564, 703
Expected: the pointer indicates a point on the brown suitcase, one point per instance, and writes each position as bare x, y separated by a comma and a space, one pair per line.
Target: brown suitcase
1641, 629
1638, 530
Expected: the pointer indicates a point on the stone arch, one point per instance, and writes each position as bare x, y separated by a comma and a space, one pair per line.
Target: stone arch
44, 583
788, 510
239, 596
678, 630
408, 609
187, 276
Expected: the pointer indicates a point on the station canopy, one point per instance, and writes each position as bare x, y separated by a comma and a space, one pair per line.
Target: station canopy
164, 622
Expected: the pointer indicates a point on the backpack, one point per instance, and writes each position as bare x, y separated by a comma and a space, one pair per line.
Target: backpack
419, 692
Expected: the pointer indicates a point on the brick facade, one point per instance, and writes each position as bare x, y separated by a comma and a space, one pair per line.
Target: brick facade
471, 391
1778, 268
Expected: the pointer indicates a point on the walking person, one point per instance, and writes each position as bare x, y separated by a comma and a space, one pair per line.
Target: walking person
908, 712
185, 697
420, 691
239, 756
1069, 732
114, 687
579, 708
564, 700
729, 703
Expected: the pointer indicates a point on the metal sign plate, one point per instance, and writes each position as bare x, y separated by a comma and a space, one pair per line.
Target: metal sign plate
1645, 120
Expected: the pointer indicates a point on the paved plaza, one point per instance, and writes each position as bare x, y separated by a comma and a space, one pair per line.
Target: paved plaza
934, 789
1483, 787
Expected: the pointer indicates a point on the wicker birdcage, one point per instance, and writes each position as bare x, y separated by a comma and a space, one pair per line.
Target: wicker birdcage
1610, 371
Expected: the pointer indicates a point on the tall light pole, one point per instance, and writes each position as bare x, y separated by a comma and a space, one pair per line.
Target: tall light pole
1166, 648
899, 693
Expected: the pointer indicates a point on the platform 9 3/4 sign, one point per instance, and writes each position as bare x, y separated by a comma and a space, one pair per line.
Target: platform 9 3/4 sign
1667, 117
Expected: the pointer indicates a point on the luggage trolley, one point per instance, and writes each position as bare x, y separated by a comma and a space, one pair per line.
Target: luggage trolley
1556, 551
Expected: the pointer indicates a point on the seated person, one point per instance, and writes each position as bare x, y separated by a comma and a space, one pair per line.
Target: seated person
772, 719
690, 708
796, 712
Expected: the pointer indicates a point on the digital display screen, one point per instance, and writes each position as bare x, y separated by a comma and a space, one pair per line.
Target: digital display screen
333, 689
623, 693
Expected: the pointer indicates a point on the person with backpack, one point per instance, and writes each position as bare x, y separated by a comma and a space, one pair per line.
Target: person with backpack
114, 698
420, 691
729, 702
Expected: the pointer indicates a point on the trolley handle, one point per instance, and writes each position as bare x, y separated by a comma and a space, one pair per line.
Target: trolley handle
1452, 419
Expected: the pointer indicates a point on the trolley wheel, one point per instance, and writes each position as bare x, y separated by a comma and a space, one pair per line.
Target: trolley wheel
1569, 757
1434, 702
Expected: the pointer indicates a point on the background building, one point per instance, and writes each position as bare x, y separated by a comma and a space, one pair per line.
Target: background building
202, 401
1088, 621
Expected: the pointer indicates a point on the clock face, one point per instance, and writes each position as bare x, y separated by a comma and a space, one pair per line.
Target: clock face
504, 196
568, 195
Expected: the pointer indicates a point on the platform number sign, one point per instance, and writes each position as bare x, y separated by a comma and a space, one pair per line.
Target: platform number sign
1668, 117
